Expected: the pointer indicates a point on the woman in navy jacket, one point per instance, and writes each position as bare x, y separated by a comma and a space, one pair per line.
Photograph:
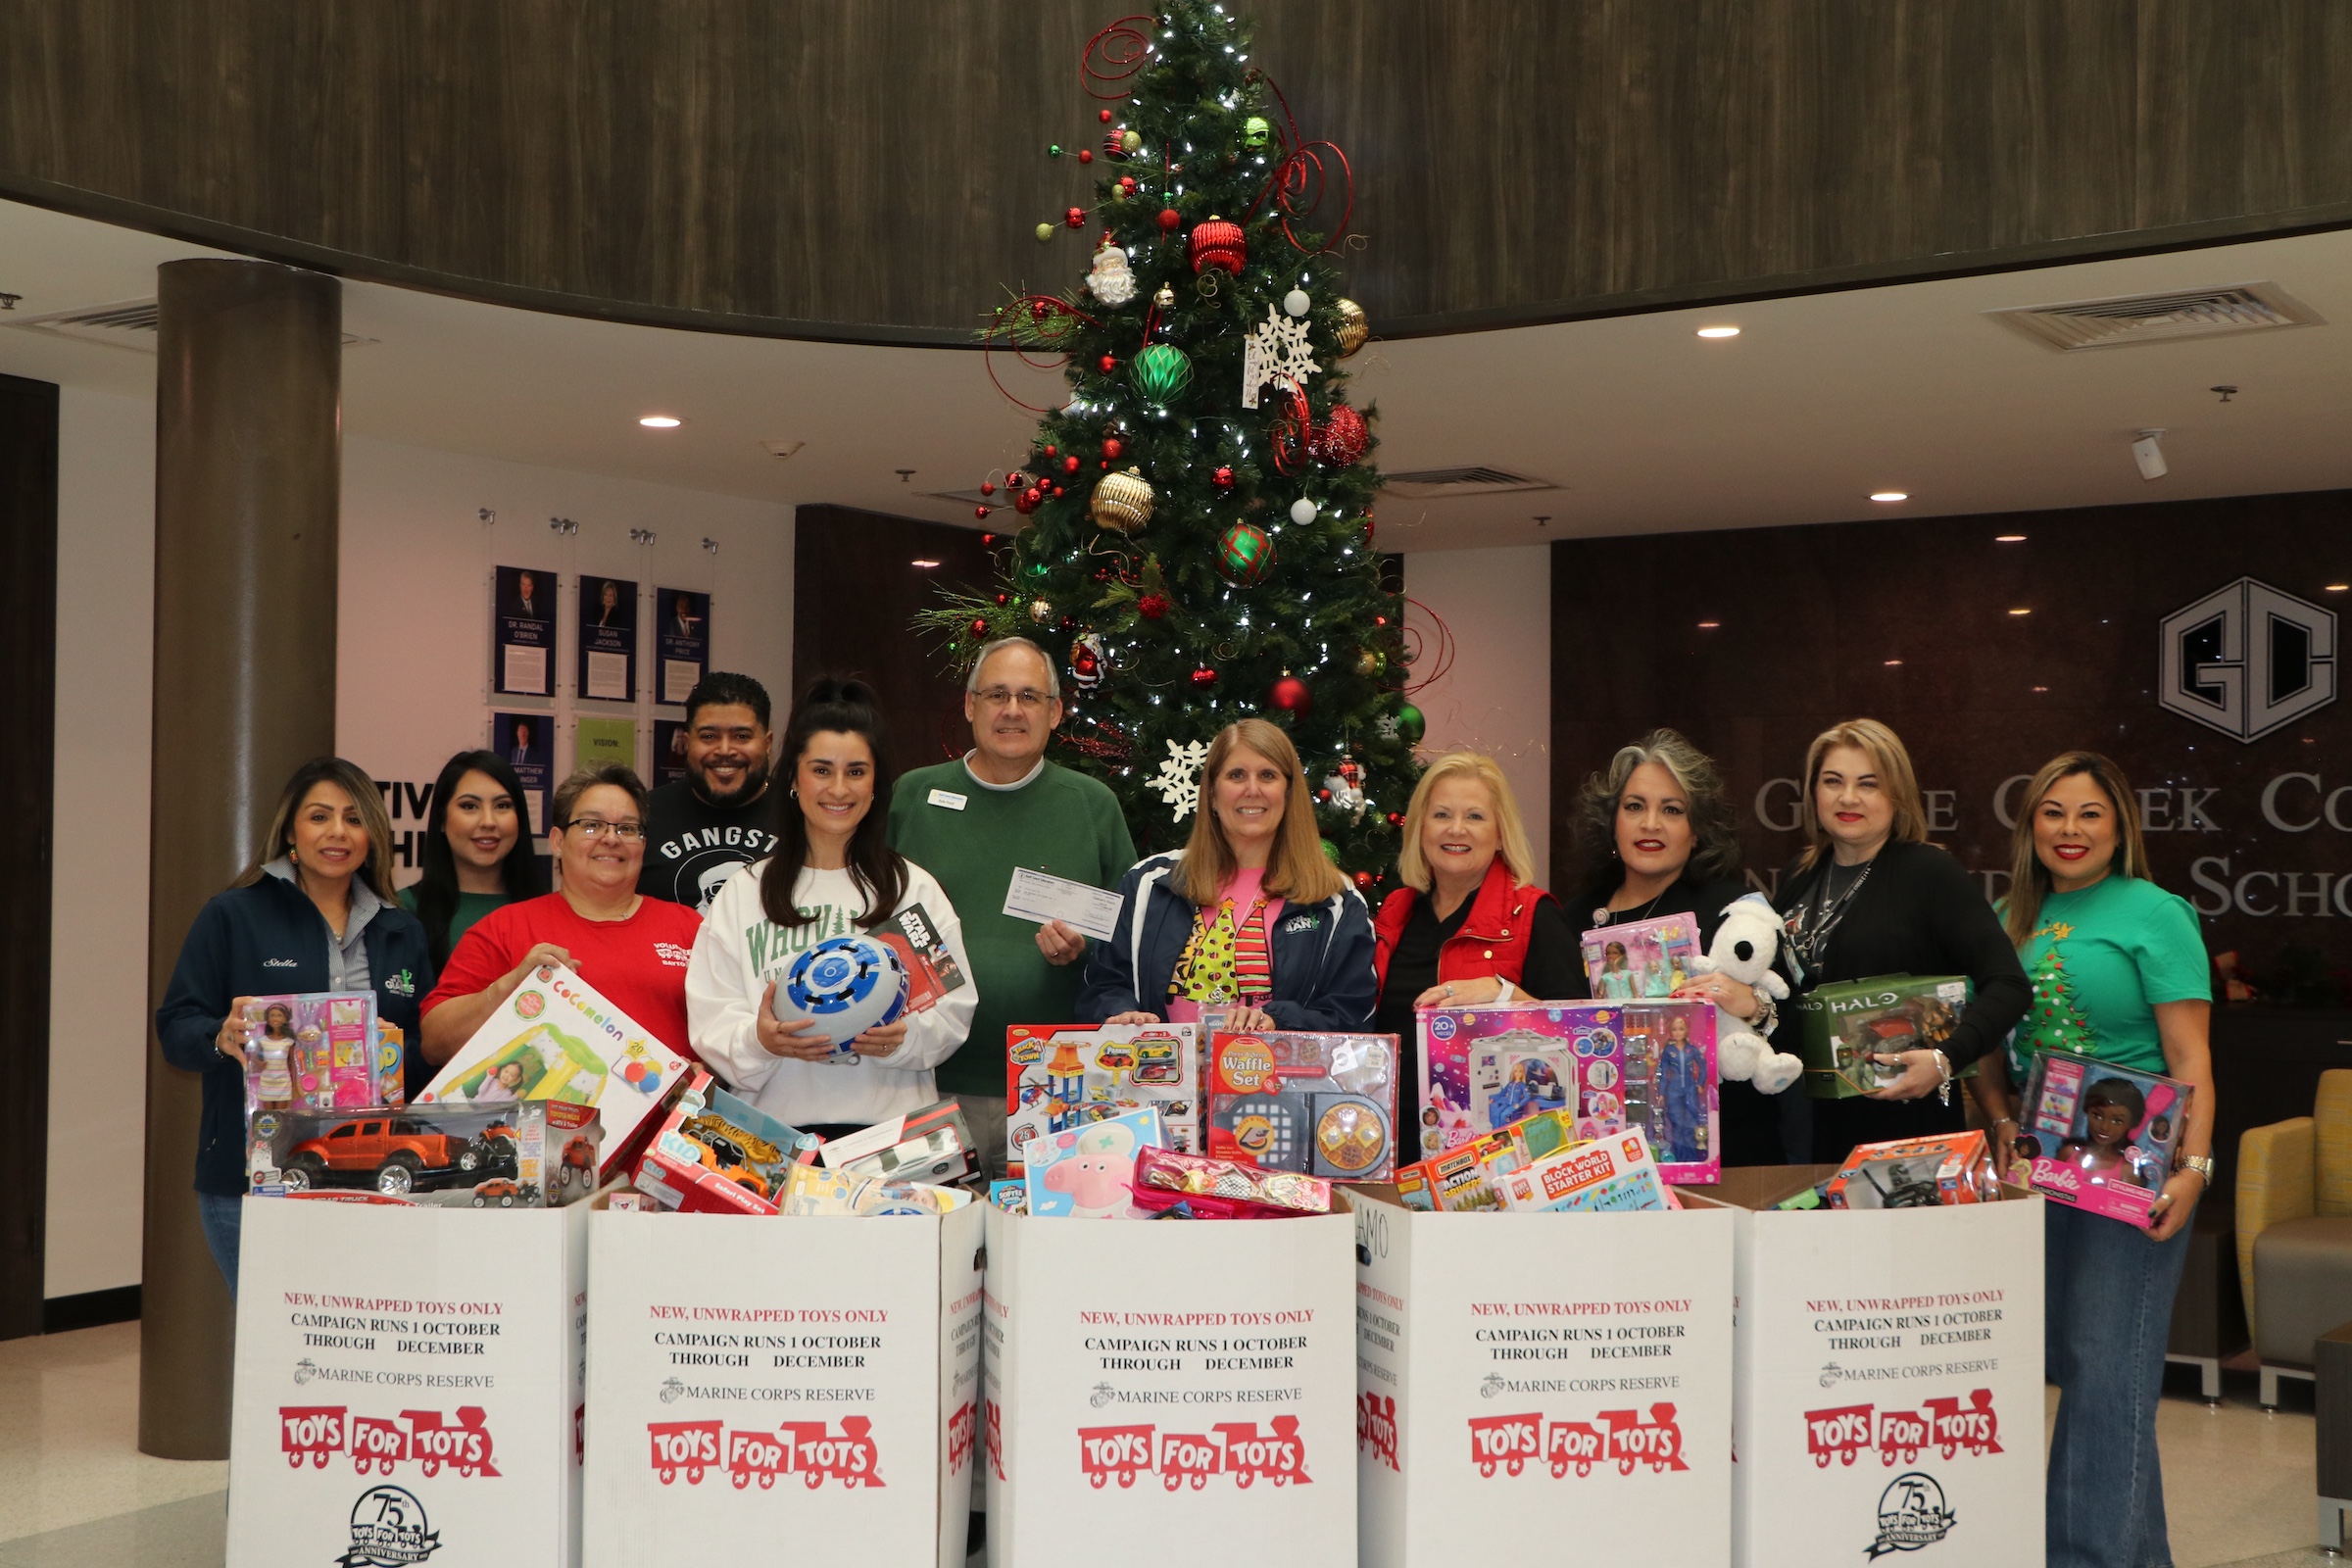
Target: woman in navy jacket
317, 915
1250, 917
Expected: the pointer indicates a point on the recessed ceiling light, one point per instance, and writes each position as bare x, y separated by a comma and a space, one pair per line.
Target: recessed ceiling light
2021, 611
2008, 538
1709, 626
2041, 688
1892, 662
2337, 587
1718, 331
922, 562
1889, 495
661, 422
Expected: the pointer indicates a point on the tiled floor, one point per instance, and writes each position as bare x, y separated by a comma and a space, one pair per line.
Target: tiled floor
75, 1490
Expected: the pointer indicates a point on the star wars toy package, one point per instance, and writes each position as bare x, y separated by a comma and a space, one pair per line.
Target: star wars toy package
862, 979
1088, 1171
555, 1038
533, 1155
1915, 1173
1062, 1076
2101, 1137
715, 1154
1605, 1066
1641, 958
1842, 1026
320, 1050
1320, 1105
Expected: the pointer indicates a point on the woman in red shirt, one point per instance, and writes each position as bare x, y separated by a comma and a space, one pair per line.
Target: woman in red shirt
633, 950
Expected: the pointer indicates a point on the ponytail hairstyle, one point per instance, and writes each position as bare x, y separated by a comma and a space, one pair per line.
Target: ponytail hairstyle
520, 874
846, 707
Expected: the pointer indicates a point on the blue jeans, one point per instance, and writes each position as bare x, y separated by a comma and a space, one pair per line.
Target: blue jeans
224, 1220
2108, 1293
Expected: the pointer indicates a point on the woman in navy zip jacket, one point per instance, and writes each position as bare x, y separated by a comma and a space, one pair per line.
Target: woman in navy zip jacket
317, 915
1250, 917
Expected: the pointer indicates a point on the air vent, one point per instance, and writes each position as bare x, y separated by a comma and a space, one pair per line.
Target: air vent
1423, 485
970, 498
128, 324
2159, 318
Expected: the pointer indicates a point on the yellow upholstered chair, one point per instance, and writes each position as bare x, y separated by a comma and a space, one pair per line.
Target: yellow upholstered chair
2295, 1230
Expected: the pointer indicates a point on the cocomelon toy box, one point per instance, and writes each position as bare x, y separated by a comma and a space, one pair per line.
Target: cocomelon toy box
555, 1038
320, 1051
1641, 958
2101, 1137
1088, 1171
1608, 1065
1842, 1026
1061, 1076
531, 1155
1319, 1104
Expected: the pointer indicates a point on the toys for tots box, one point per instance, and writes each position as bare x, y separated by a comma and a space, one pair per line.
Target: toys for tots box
407, 1386
1890, 1384
759, 1381
1152, 1386
1529, 1380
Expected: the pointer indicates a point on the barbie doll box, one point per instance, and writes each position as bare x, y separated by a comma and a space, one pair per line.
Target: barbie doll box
1064, 1076
1641, 958
1155, 1387
320, 1050
1607, 1065
2101, 1137
555, 1038
1842, 1025
1527, 1379
809, 1381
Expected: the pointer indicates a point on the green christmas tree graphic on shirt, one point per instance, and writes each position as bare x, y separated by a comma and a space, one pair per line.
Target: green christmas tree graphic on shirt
2058, 1020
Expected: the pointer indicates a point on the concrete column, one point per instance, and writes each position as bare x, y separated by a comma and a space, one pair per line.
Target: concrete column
248, 467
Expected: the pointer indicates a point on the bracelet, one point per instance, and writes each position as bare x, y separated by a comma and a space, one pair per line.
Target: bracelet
1768, 1015
2004, 1121
1944, 1065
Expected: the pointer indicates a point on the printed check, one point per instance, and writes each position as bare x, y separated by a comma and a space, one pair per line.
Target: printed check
1036, 896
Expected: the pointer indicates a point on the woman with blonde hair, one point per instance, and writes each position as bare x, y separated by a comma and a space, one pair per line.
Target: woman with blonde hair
1870, 896
1655, 835
1470, 924
1249, 916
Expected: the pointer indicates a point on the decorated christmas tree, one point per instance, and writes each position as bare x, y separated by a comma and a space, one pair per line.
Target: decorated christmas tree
1198, 536
2057, 1022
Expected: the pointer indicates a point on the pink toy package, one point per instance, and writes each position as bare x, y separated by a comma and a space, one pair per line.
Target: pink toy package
2101, 1137
1649, 1066
320, 1050
1641, 958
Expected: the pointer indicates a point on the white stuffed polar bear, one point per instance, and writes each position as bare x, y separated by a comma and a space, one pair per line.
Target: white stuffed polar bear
1744, 947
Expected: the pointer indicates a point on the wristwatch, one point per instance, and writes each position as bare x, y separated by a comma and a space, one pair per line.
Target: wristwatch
2202, 1164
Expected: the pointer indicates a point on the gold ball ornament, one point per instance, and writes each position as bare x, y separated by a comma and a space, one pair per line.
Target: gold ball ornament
1370, 662
1355, 327
1122, 502
1041, 610
1165, 298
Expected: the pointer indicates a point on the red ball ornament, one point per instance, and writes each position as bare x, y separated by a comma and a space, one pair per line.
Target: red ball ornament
1026, 502
1291, 696
1217, 243
1075, 218
1001, 598
1344, 437
1109, 363
1151, 606
989, 539
1069, 464
1222, 478
1170, 218
980, 512
1049, 448
1085, 155
988, 487
1203, 677
1112, 446
1395, 820
1015, 480
1364, 881
979, 628
1057, 492
1322, 795
1103, 114
1127, 184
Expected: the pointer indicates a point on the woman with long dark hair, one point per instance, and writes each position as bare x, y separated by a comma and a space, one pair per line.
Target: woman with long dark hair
315, 914
833, 875
476, 851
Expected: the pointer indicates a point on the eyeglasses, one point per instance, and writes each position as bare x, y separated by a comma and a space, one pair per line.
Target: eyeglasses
1028, 697
596, 827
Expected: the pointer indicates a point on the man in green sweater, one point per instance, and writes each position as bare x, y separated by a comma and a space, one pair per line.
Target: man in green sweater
969, 824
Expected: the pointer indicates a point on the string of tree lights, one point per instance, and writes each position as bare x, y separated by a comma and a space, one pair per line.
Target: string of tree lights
1199, 536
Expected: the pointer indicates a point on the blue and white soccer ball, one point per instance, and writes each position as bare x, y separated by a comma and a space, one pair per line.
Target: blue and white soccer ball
844, 986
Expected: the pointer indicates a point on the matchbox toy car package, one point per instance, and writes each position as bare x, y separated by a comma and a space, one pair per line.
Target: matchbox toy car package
1842, 1026
715, 1154
1319, 1104
2101, 1137
1915, 1173
320, 1050
930, 1145
1062, 1076
555, 1038
531, 1155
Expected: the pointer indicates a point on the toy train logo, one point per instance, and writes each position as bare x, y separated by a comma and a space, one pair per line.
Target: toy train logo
316, 1433
1900, 1437
1235, 1450
1376, 1427
961, 1437
1512, 1442
804, 1449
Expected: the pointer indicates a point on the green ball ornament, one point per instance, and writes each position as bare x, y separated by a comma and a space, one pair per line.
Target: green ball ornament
1244, 555
1256, 133
1331, 852
1052, 149
1410, 725
1045, 231
1160, 372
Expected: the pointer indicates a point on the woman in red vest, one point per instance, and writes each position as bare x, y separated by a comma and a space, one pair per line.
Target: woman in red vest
1469, 925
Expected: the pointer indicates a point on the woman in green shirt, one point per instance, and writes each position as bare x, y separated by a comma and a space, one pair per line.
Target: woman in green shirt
2120, 973
476, 852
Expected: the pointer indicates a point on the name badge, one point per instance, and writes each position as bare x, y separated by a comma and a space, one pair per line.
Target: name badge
948, 798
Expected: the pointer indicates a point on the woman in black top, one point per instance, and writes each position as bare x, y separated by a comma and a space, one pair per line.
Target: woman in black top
1655, 836
1870, 896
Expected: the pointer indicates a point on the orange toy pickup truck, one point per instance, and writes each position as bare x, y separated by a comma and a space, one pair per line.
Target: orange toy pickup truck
401, 1154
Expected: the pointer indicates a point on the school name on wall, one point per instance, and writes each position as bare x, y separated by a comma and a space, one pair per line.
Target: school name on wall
2297, 802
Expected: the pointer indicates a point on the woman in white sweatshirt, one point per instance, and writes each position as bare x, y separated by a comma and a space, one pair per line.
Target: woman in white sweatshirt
833, 873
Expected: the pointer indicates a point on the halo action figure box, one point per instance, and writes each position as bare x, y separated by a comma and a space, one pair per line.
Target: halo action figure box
1842, 1026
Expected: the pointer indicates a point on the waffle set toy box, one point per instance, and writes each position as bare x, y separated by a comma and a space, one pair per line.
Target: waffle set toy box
1843, 1025
1915, 1173
1606, 1066
2101, 1137
1062, 1076
1318, 1105
1641, 958
320, 1050
534, 1155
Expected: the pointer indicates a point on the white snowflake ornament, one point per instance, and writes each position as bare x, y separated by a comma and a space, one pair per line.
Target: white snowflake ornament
1111, 281
1178, 782
1276, 350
